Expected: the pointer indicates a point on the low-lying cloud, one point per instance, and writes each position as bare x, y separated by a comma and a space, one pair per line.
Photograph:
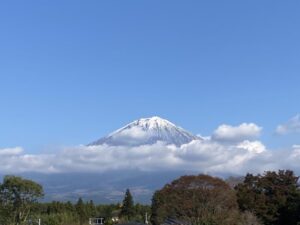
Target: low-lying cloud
233, 150
206, 156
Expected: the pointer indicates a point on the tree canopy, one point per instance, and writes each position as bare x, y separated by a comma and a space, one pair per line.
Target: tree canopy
198, 199
17, 196
274, 197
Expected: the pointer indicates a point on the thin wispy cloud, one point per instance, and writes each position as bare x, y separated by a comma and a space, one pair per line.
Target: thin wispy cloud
291, 126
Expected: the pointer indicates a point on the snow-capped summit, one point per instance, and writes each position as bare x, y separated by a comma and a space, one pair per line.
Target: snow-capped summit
148, 131
152, 123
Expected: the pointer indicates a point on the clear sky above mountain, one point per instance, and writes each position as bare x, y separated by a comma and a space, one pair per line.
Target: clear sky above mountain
73, 71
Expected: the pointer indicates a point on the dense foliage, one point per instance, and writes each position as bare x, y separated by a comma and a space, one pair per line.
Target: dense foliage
17, 196
19, 205
273, 197
269, 199
196, 199
58, 213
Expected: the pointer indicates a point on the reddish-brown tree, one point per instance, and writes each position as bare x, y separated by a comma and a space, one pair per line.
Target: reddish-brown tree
196, 199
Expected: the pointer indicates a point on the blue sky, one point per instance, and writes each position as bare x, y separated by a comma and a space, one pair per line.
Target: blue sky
73, 71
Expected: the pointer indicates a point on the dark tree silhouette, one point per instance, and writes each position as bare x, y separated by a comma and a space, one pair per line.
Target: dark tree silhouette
127, 211
81, 212
274, 197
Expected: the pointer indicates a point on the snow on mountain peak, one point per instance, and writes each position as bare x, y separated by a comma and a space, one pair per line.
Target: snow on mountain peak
153, 123
148, 131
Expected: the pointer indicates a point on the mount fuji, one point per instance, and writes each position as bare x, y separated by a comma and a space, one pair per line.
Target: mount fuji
147, 131
108, 186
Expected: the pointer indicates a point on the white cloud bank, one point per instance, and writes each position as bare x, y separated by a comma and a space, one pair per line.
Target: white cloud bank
292, 126
200, 156
230, 150
230, 133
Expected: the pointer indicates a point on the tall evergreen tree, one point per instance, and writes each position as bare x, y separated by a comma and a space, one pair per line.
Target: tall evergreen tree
91, 209
127, 211
81, 212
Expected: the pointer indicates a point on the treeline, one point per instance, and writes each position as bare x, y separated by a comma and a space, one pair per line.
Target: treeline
272, 198
60, 213
19, 206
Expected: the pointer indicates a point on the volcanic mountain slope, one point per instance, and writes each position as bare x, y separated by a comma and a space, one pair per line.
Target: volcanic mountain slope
108, 186
147, 131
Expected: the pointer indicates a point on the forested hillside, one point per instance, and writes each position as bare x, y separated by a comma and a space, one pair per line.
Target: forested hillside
272, 198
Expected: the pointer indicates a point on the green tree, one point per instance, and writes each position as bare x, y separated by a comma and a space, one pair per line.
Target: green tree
17, 197
274, 197
81, 212
127, 210
91, 209
198, 200
140, 212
